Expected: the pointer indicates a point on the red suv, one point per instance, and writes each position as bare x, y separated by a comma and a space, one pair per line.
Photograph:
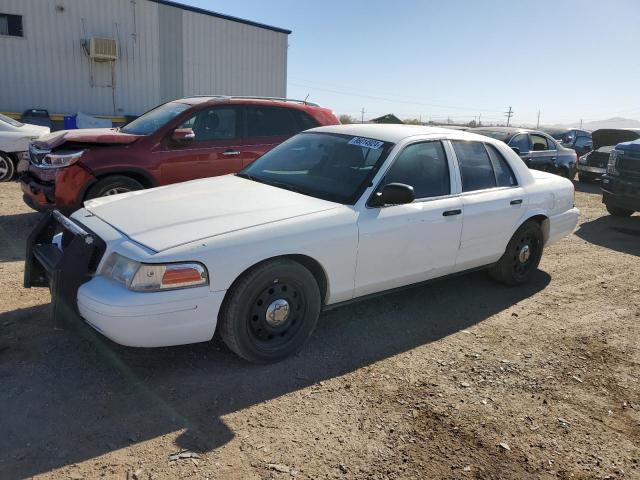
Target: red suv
180, 140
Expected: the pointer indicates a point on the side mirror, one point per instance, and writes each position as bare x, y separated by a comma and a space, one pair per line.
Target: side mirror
516, 149
394, 194
182, 135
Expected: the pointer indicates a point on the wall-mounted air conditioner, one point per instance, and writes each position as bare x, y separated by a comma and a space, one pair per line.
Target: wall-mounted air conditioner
103, 49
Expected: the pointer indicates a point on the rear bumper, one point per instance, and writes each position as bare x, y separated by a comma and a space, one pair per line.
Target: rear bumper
562, 225
593, 170
149, 319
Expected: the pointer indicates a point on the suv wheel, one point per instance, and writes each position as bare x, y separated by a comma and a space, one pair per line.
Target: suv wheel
113, 185
7, 167
522, 256
271, 311
619, 212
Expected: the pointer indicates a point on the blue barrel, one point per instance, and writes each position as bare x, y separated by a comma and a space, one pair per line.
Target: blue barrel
70, 122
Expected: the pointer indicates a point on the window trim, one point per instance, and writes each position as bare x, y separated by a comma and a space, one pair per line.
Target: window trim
452, 183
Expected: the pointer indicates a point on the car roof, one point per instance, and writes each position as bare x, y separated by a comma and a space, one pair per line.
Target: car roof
392, 133
213, 99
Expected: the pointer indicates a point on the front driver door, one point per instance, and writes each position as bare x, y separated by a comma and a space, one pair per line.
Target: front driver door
404, 244
216, 149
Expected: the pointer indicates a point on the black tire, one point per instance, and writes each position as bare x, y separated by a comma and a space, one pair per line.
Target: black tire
113, 185
619, 212
521, 257
244, 322
7, 167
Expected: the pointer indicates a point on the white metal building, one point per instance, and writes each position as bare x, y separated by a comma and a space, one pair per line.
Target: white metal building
122, 57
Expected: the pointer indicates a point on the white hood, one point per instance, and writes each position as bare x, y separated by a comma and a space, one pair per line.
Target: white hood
33, 130
165, 217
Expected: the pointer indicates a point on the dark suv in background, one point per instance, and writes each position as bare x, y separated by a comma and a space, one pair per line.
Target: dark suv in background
621, 183
593, 165
181, 140
537, 149
574, 138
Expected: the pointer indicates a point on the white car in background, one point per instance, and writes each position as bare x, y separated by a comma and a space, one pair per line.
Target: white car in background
14, 144
331, 215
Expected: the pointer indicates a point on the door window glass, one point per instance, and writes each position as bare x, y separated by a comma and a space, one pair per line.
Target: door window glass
305, 122
423, 166
219, 123
538, 143
475, 166
504, 173
582, 142
270, 122
521, 142
552, 144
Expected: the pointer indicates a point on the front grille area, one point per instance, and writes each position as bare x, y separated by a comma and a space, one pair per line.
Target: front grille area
598, 159
629, 163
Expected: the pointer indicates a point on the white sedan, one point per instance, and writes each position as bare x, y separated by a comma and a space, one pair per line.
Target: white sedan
14, 144
331, 215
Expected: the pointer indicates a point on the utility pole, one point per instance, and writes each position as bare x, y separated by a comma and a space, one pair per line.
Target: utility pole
509, 114
362, 112
580, 123
538, 122
480, 120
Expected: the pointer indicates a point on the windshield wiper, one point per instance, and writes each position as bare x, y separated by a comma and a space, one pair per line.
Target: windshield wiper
247, 176
285, 186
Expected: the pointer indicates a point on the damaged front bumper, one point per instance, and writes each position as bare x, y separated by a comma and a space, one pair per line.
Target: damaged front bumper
62, 255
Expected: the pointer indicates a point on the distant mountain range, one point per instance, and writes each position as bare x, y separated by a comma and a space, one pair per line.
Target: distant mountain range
615, 122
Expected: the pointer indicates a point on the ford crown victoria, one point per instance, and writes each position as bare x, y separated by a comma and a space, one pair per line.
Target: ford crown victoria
331, 215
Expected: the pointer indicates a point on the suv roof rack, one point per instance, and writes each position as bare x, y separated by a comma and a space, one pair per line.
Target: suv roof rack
249, 97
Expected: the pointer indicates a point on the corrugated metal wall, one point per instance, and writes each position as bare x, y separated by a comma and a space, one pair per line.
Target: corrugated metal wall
48, 68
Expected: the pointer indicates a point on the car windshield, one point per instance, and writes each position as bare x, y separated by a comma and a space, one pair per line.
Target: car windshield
323, 165
154, 119
10, 121
558, 134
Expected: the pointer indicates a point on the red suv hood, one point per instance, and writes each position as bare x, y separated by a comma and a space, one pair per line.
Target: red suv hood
108, 136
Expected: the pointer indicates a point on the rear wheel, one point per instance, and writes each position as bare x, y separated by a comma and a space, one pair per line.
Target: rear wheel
113, 185
7, 167
619, 212
271, 311
522, 256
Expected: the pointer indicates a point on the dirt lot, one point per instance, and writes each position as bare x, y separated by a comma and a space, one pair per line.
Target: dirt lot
459, 379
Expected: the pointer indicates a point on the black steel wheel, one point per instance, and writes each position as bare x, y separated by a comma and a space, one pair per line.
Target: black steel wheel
271, 311
521, 257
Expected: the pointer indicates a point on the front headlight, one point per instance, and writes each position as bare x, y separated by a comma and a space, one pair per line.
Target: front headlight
146, 277
60, 159
613, 160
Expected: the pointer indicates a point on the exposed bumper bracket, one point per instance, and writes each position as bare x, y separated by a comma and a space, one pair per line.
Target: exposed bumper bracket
62, 267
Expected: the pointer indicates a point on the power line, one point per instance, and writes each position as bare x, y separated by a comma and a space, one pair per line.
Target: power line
392, 100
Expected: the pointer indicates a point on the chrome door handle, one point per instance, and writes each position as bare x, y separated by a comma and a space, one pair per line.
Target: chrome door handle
229, 153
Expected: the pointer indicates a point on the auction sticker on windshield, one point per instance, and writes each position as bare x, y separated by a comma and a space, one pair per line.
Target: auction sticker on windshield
366, 142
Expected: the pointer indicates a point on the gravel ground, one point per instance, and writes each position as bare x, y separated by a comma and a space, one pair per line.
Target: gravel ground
462, 378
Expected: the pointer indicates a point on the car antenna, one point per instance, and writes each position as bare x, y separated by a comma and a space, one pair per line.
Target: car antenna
305, 98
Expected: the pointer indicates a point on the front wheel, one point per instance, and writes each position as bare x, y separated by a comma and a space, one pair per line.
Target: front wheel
7, 167
521, 257
113, 185
271, 311
619, 212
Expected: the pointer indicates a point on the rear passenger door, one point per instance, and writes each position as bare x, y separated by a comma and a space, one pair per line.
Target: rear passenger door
492, 203
267, 127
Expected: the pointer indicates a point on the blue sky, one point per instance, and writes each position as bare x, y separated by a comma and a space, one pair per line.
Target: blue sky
571, 59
